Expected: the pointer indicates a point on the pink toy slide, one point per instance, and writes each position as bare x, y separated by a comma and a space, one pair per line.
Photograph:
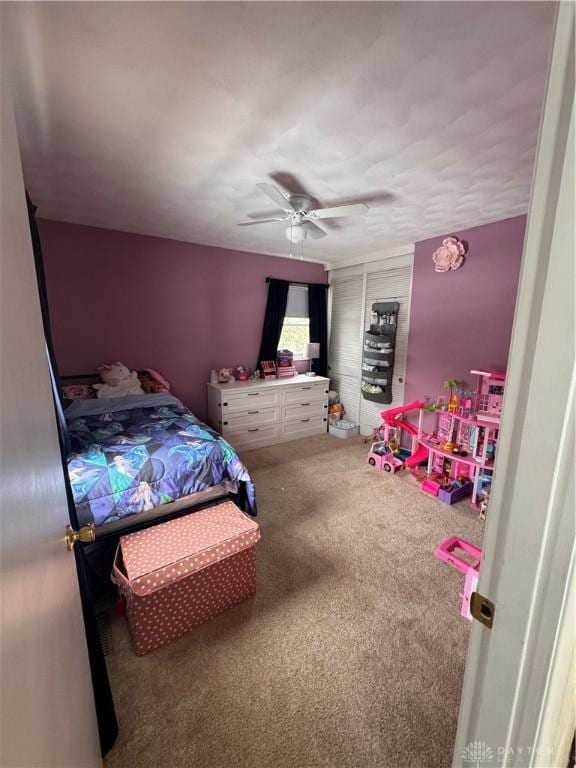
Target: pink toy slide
418, 457
470, 569
391, 417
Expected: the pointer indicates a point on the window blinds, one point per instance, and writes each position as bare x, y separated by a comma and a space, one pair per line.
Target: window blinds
297, 301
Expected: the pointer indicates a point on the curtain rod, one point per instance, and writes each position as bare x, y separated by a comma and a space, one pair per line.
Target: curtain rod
295, 282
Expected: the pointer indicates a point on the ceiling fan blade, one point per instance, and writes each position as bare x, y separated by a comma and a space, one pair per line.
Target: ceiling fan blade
274, 194
258, 221
313, 230
359, 209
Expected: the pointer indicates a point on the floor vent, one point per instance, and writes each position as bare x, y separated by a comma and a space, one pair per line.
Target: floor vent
104, 633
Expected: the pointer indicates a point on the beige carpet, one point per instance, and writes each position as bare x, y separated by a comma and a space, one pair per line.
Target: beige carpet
352, 653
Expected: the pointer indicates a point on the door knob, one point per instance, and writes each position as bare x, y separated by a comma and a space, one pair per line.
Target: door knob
86, 534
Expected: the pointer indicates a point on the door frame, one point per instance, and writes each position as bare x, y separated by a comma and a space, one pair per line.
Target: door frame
513, 697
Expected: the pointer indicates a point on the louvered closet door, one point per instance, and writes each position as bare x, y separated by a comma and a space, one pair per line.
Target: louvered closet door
345, 353
389, 285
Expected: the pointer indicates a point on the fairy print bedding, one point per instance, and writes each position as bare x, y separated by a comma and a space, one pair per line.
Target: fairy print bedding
131, 454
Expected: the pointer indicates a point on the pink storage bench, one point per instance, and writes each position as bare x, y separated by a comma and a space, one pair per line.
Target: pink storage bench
182, 573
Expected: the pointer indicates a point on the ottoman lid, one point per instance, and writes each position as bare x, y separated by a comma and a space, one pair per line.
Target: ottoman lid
168, 552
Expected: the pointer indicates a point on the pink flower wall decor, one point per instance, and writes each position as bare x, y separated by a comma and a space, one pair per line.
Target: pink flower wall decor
450, 255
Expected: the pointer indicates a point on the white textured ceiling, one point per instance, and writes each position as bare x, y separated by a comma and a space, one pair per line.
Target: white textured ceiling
160, 118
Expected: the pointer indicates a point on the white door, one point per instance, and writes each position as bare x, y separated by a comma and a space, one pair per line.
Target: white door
47, 708
394, 284
345, 351
516, 710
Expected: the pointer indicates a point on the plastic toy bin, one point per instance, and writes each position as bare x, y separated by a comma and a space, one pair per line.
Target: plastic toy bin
343, 429
451, 497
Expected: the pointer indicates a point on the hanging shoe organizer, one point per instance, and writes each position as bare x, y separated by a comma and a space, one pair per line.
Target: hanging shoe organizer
378, 352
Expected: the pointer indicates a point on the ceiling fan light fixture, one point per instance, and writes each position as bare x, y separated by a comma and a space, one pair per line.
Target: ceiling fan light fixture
296, 233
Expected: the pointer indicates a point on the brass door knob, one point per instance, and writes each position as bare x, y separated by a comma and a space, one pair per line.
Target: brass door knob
86, 534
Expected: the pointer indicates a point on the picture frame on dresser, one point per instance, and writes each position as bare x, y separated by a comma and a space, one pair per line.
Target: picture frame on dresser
254, 414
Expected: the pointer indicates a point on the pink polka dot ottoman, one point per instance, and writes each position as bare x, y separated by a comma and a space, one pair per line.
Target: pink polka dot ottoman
179, 574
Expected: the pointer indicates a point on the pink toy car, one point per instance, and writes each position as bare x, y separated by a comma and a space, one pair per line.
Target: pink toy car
381, 457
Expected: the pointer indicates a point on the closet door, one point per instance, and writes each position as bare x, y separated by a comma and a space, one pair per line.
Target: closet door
345, 352
388, 285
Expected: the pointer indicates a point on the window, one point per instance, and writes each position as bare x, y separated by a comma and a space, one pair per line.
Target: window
296, 329
295, 335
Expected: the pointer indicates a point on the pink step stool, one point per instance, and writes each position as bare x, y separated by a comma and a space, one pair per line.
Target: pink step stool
446, 552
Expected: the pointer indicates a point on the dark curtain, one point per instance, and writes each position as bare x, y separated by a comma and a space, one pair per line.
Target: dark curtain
318, 313
107, 723
273, 319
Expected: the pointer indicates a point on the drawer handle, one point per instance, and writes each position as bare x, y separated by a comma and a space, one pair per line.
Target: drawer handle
254, 430
305, 387
253, 394
304, 420
252, 412
304, 403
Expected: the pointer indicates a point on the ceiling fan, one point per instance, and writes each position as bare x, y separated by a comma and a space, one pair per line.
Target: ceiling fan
299, 217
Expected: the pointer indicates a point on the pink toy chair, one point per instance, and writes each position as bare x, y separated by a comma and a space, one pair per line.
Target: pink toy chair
446, 552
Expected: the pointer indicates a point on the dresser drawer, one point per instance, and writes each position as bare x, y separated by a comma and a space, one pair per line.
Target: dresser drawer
310, 425
245, 438
305, 409
254, 417
249, 401
306, 392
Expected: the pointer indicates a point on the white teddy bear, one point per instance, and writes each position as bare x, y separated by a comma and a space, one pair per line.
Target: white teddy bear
118, 380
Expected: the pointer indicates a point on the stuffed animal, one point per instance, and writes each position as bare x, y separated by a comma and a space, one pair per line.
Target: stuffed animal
118, 381
225, 375
152, 382
78, 392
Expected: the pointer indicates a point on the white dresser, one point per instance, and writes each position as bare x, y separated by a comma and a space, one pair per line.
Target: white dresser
251, 414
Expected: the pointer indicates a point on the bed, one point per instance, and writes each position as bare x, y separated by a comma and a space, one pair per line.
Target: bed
140, 459
139, 454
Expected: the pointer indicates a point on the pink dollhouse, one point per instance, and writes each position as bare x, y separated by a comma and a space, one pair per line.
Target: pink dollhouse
489, 394
460, 451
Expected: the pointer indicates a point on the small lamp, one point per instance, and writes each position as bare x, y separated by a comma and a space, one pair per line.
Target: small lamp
311, 352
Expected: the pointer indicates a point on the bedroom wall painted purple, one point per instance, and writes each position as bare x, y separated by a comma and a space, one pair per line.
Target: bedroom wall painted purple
151, 302
463, 319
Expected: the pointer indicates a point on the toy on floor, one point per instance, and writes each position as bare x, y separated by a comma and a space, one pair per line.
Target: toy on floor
376, 435
470, 569
336, 410
117, 381
380, 456
460, 452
